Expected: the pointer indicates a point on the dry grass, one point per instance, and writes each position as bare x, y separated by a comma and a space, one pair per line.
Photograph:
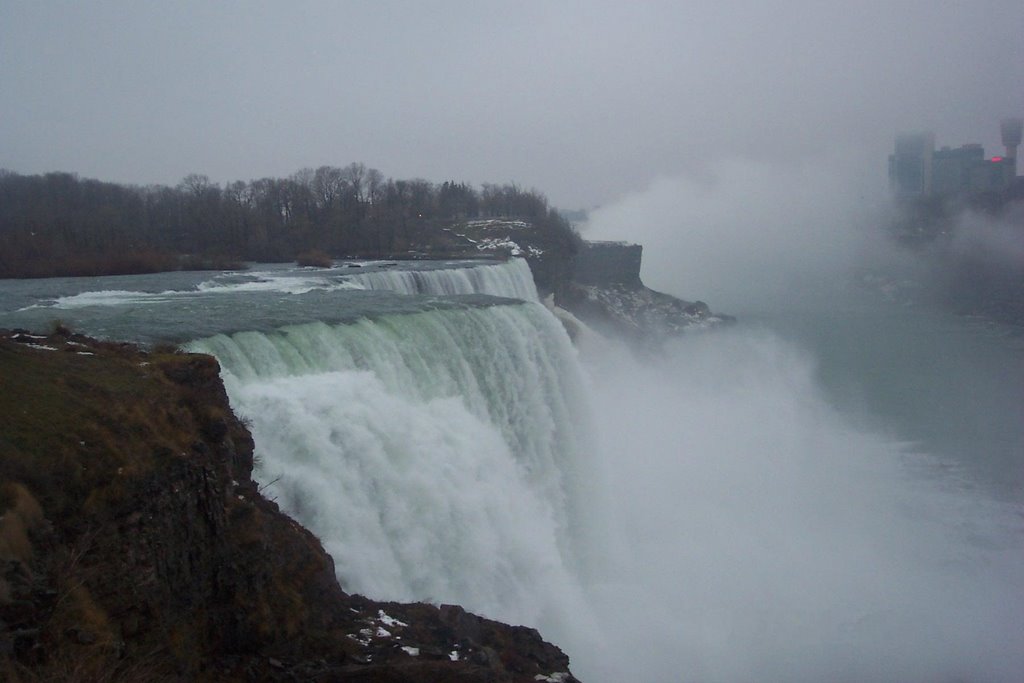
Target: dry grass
22, 514
74, 424
72, 668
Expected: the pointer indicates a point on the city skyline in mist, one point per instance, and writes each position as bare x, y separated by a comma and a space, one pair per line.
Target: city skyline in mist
587, 102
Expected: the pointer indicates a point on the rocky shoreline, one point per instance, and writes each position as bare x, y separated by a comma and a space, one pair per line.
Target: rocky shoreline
135, 546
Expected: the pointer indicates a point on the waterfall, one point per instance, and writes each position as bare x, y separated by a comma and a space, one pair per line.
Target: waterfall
736, 507
438, 455
753, 532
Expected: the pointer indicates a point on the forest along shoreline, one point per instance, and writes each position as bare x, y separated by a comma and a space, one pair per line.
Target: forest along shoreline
58, 224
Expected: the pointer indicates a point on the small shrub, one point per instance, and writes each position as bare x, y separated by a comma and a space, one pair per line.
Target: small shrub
315, 258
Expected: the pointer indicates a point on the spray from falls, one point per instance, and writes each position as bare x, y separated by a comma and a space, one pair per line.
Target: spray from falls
786, 520
439, 455
770, 539
725, 524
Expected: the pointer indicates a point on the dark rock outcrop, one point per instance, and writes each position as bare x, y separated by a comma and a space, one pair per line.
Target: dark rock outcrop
608, 263
638, 313
135, 546
606, 292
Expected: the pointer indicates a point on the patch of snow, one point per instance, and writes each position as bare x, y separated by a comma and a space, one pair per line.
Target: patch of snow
559, 677
453, 655
492, 243
411, 651
42, 347
85, 353
497, 223
362, 641
383, 618
383, 632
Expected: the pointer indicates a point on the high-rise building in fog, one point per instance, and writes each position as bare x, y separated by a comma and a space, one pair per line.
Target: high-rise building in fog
910, 168
1011, 131
917, 169
951, 168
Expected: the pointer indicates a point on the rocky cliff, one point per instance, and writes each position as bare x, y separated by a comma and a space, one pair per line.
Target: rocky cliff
135, 546
598, 282
606, 292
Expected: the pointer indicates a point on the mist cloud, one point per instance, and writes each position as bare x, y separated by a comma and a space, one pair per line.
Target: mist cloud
748, 233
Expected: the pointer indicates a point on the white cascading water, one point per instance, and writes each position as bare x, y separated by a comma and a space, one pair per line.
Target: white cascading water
437, 455
750, 534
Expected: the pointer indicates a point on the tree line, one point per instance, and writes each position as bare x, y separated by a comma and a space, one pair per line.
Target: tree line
60, 224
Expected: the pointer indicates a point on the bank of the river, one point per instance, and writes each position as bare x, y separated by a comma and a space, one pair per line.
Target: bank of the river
135, 545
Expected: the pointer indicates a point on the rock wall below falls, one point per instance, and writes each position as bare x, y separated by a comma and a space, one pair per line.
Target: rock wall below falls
135, 546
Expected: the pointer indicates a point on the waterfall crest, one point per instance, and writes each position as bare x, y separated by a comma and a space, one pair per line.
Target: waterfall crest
511, 279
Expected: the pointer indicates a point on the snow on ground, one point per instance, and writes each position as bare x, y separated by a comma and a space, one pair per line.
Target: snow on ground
559, 677
383, 618
489, 223
494, 243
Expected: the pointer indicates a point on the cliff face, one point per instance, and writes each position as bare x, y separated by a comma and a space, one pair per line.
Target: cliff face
598, 282
606, 263
134, 544
606, 292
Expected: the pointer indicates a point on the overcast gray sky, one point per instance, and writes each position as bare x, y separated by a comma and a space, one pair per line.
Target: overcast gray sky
585, 101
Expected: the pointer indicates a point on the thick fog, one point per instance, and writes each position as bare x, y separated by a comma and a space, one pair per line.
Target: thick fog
585, 101
748, 234
769, 539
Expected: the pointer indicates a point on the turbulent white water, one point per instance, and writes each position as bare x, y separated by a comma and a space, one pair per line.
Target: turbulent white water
706, 516
771, 540
438, 455
839, 500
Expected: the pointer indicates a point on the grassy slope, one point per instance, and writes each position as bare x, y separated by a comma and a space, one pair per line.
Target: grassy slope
75, 420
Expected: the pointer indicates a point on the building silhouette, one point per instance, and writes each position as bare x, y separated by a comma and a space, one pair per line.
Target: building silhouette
917, 169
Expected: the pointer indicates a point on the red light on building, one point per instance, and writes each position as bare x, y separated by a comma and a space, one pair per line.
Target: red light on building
996, 160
